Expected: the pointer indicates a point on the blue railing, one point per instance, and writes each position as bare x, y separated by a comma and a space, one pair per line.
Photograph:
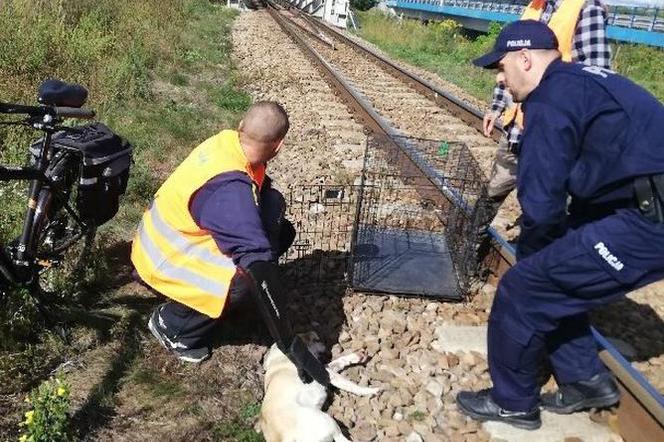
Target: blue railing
628, 24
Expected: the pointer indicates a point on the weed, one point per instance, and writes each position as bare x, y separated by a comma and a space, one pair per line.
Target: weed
235, 431
417, 416
230, 99
48, 419
156, 384
239, 429
179, 79
123, 51
251, 411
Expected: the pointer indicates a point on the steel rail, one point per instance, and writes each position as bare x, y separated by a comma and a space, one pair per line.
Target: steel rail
370, 118
466, 112
500, 258
431, 185
640, 413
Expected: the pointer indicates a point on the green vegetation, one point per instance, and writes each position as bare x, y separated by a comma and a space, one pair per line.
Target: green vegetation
156, 384
47, 420
642, 64
439, 47
362, 5
443, 48
239, 429
160, 74
417, 416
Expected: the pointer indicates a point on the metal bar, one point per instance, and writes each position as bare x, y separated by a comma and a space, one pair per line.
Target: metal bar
614, 32
313, 35
362, 109
460, 109
439, 194
21, 173
629, 375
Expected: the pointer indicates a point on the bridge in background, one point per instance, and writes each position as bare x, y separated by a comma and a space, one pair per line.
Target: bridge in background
626, 24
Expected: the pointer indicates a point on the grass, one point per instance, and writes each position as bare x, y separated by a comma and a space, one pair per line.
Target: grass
417, 416
444, 48
239, 429
160, 74
157, 385
439, 47
642, 64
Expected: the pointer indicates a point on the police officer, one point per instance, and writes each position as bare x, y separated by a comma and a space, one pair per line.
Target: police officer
212, 237
596, 136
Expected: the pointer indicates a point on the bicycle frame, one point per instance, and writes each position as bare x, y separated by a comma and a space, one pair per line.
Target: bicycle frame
18, 269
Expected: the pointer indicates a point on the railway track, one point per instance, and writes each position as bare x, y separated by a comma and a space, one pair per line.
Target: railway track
345, 63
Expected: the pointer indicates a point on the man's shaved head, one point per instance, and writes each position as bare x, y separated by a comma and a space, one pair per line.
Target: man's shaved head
262, 131
265, 122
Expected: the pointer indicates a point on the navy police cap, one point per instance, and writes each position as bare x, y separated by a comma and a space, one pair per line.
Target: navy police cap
528, 34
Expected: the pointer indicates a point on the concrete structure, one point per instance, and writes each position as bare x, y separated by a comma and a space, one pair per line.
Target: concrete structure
334, 12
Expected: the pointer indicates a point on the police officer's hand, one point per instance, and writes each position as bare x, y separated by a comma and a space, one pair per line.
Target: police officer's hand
489, 122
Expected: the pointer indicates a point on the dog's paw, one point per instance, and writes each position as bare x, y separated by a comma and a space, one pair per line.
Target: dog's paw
369, 391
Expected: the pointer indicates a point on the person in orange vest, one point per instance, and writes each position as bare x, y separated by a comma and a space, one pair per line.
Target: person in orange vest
580, 27
211, 239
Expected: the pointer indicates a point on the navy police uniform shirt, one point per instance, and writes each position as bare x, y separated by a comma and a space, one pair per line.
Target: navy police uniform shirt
588, 133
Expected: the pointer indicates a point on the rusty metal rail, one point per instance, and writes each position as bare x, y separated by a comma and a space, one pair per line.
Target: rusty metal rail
500, 259
365, 112
640, 415
466, 112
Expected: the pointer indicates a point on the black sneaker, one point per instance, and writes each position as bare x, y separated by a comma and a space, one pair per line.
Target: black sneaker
480, 406
158, 328
600, 391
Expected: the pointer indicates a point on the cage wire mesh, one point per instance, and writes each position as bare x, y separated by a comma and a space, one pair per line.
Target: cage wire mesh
409, 225
323, 217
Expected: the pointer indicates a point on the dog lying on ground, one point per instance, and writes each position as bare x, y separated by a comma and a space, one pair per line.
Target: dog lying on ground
291, 410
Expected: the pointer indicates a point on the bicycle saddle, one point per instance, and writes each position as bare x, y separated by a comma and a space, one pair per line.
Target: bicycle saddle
54, 92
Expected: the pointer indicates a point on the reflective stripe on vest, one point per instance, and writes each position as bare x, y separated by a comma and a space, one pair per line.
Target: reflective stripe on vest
563, 23
213, 285
170, 252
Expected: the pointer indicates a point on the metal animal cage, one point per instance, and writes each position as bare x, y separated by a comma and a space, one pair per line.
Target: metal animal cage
409, 225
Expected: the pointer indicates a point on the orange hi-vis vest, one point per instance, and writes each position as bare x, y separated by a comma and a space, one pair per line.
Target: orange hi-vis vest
563, 24
170, 252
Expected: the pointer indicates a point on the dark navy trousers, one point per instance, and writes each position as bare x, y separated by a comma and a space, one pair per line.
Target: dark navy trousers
541, 305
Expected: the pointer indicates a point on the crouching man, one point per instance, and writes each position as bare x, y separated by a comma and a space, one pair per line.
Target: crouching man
596, 136
211, 239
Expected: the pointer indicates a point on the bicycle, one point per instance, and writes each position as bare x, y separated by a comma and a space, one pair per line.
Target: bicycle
76, 175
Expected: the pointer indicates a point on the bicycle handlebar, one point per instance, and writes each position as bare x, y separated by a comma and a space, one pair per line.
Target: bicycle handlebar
75, 112
40, 111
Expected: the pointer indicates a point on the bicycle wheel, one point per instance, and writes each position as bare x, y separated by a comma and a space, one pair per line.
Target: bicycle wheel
62, 245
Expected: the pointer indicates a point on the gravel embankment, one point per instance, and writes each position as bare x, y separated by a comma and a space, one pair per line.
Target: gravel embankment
325, 145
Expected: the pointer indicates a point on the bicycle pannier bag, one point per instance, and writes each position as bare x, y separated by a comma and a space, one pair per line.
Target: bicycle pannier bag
105, 161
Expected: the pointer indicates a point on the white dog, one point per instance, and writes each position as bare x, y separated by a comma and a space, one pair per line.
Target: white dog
291, 410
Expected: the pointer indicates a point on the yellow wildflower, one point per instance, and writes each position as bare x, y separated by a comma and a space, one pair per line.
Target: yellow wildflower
61, 391
23, 438
29, 416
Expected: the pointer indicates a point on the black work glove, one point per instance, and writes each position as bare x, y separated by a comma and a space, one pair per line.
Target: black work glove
272, 302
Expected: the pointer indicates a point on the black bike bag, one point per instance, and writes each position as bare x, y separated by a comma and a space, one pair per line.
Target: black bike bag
105, 159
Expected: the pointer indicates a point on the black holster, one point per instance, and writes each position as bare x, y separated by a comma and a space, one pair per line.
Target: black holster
649, 192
